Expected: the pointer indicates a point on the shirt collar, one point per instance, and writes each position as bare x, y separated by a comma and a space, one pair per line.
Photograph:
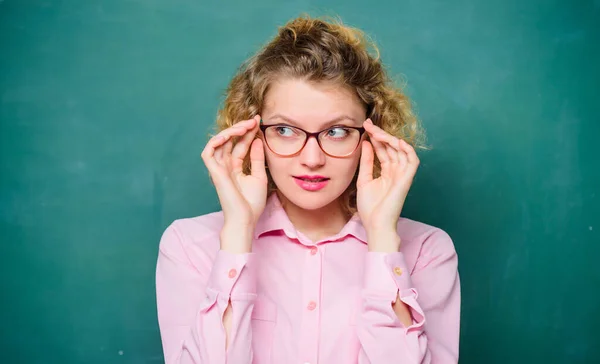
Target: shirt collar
274, 218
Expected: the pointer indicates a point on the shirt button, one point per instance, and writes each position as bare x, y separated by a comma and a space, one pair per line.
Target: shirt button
232, 273
311, 305
398, 271
313, 250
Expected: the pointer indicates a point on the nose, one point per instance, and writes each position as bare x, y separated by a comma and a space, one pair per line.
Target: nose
312, 155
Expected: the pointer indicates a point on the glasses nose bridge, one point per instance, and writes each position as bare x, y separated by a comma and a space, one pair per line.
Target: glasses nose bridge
316, 136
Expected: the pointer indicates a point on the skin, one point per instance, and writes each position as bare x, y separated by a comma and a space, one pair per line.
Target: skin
316, 214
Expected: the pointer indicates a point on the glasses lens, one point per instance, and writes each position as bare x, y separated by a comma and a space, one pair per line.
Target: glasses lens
339, 141
285, 140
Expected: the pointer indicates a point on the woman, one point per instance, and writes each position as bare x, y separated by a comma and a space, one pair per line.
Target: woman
309, 262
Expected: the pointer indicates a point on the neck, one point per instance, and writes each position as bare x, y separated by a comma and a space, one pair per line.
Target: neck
315, 224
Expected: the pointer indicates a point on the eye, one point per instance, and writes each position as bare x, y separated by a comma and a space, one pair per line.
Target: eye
285, 131
337, 132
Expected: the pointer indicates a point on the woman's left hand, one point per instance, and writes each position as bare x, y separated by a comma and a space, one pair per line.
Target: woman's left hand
380, 200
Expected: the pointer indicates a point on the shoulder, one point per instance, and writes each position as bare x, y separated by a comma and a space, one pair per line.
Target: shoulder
199, 227
193, 239
422, 243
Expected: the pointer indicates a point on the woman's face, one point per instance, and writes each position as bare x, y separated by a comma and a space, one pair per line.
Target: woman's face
312, 107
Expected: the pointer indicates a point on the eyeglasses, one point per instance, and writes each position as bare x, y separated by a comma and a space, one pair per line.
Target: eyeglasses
336, 141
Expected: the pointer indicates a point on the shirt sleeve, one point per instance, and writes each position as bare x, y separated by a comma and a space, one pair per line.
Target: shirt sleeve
432, 293
191, 301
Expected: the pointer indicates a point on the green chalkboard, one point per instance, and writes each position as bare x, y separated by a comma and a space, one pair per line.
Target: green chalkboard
105, 107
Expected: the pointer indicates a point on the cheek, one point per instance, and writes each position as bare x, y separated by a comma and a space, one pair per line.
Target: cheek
353, 164
276, 164
345, 168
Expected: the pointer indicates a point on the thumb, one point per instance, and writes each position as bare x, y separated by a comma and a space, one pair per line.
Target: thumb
365, 171
257, 159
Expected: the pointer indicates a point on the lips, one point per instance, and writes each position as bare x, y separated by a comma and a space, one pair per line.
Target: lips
311, 183
312, 178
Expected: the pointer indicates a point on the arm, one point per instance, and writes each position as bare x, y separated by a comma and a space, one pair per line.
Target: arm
433, 333
192, 299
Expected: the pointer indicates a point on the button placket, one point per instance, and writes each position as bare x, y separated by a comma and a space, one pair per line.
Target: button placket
311, 288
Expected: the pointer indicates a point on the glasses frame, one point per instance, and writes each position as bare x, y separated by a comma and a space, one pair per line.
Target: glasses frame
264, 127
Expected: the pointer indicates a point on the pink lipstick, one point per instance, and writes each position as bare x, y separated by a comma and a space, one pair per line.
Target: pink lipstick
311, 183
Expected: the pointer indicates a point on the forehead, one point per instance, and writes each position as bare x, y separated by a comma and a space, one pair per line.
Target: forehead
310, 104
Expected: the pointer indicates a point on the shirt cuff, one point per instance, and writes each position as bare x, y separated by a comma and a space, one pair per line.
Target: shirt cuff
232, 275
409, 297
387, 276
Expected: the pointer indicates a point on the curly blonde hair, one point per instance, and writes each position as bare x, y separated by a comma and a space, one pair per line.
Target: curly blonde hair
322, 50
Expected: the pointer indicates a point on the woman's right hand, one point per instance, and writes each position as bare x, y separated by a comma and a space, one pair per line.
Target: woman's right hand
243, 197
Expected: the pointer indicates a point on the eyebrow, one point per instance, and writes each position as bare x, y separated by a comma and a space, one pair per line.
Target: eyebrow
324, 125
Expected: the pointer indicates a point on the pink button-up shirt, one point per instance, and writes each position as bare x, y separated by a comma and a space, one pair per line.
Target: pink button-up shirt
296, 301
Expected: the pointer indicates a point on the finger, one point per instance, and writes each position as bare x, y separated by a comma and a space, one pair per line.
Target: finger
248, 124
241, 148
214, 142
238, 129
209, 150
257, 159
218, 155
383, 136
208, 157
376, 142
365, 171
411, 154
402, 159
394, 146
240, 151
222, 137
380, 151
226, 151
392, 153
214, 147
209, 162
